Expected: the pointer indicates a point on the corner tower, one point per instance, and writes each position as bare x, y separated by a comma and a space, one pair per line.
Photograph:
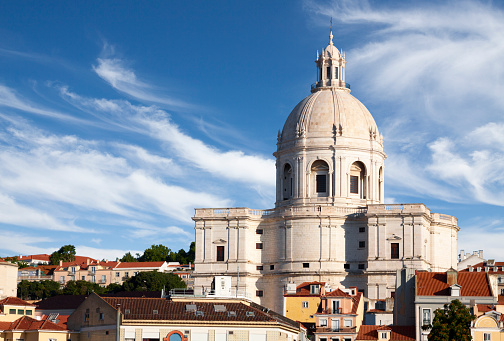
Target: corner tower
329, 151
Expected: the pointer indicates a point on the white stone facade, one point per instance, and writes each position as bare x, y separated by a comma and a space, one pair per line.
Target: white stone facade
330, 223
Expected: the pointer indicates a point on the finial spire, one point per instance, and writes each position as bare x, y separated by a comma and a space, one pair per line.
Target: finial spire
330, 34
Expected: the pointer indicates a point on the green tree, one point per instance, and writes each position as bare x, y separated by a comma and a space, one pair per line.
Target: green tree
452, 322
16, 260
153, 281
112, 288
128, 257
155, 253
82, 288
66, 253
37, 290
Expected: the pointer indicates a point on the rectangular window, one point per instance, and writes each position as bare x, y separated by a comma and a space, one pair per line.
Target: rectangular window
28, 312
314, 289
220, 253
126, 274
62, 279
346, 266
383, 335
487, 337
362, 266
502, 291
86, 317
259, 293
354, 184
259, 246
306, 265
118, 274
272, 267
103, 278
73, 269
20, 311
259, 231
259, 267
100, 316
394, 250
321, 183
362, 244
12, 311
93, 269
304, 304
323, 322
328, 72
335, 325
426, 316
347, 323
336, 72
362, 229
93, 279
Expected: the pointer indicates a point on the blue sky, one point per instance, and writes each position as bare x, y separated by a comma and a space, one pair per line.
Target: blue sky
117, 119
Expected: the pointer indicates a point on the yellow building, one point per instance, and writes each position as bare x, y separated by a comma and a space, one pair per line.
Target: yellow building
302, 304
28, 329
488, 327
12, 308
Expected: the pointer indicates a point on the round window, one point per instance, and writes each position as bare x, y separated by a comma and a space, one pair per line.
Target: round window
175, 337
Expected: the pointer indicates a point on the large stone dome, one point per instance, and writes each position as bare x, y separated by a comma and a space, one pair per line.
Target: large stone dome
327, 113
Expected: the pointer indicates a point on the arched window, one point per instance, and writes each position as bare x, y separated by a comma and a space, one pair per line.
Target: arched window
320, 178
287, 182
357, 184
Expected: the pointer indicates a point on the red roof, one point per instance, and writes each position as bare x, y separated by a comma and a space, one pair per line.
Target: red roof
303, 289
28, 323
434, 284
398, 333
15, 301
338, 293
43, 257
61, 320
139, 265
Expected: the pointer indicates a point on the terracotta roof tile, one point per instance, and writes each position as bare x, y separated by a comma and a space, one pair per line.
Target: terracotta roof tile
28, 323
434, 284
14, 301
398, 333
303, 289
139, 265
43, 257
337, 293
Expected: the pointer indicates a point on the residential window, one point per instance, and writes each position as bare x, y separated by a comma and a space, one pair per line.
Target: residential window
93, 279
272, 267
304, 304
259, 231
259, 293
336, 307
259, 246
362, 229
347, 323
314, 289
83, 278
306, 265
12, 311
126, 274
86, 317
426, 316
346, 266
220, 253
383, 335
487, 337
394, 250
362, 266
73, 269
28, 312
502, 291
20, 311
259, 267
93, 269
104, 278
323, 322
135, 273
362, 244
118, 274
62, 279
100, 316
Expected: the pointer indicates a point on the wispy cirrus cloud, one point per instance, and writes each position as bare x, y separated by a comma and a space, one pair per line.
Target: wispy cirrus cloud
431, 70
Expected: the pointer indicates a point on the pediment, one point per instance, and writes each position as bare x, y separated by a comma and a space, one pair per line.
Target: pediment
219, 241
394, 237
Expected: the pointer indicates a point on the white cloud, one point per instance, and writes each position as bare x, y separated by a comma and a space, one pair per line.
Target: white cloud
23, 244
100, 253
114, 72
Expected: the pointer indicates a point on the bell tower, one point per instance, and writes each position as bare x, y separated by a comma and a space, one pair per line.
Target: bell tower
330, 67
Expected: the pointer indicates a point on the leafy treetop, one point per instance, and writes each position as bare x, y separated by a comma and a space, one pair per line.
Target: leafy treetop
452, 322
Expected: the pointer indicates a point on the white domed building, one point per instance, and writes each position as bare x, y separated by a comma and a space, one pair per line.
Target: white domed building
330, 223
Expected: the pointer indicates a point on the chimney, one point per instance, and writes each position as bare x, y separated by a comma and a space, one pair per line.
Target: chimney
60, 263
480, 252
451, 276
87, 261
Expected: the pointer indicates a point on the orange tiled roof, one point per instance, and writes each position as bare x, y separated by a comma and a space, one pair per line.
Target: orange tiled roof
356, 299
43, 256
28, 323
434, 284
398, 333
15, 301
139, 265
4, 325
338, 293
61, 320
303, 289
